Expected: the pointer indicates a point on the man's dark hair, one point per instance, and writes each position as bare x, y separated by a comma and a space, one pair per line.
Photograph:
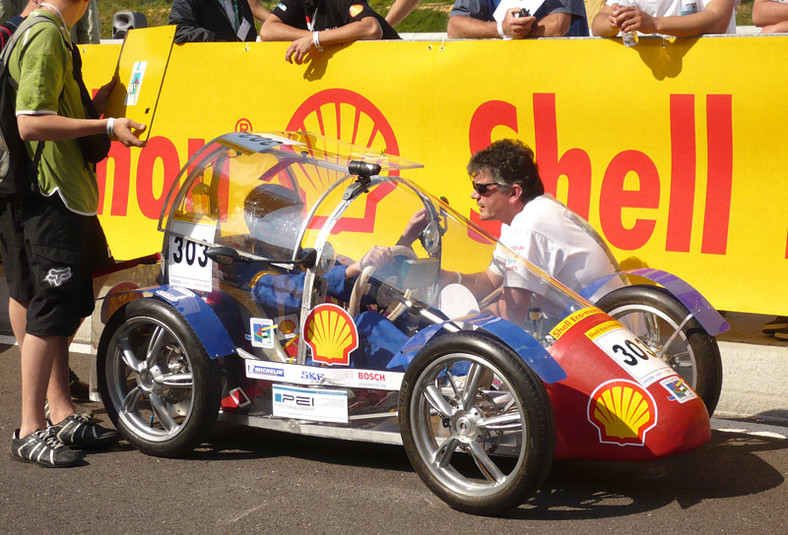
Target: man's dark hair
508, 162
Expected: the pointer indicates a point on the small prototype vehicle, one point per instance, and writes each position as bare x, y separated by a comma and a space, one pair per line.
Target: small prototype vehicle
269, 313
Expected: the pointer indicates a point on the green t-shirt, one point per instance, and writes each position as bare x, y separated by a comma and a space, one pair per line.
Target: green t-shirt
42, 65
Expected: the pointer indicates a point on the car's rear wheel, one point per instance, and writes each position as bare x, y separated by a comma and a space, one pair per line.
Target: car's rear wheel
157, 383
476, 423
665, 325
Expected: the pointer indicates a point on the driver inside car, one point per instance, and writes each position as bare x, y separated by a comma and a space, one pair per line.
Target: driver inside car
274, 214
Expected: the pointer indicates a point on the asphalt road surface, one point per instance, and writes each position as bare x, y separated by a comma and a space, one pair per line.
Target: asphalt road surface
252, 481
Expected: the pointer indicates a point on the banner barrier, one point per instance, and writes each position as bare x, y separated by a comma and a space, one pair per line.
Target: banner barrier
670, 149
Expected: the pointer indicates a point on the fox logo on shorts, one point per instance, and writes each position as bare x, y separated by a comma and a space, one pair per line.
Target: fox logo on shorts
57, 276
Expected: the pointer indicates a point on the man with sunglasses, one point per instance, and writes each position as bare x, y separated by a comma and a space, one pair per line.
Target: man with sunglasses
507, 188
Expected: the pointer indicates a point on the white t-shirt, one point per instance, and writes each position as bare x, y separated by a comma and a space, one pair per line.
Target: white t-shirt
673, 8
557, 241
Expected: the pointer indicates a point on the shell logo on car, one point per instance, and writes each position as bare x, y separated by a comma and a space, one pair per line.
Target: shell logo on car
331, 334
623, 412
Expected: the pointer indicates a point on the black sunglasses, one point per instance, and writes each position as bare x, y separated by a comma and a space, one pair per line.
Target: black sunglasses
482, 189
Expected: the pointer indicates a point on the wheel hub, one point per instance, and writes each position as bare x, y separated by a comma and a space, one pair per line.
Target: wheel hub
465, 426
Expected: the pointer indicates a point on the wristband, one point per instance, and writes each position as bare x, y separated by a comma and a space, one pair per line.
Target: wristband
500, 29
316, 41
111, 127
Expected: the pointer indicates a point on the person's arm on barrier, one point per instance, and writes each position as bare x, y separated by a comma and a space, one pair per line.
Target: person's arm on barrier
604, 23
259, 11
552, 25
50, 127
769, 12
511, 27
304, 41
714, 19
399, 10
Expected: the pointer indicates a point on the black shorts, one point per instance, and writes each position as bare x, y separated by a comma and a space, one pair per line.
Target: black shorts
48, 254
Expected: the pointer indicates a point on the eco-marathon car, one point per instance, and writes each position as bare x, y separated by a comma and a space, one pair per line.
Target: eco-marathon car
264, 317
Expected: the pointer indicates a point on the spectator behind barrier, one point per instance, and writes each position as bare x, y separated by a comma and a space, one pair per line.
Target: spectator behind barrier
216, 20
478, 19
310, 25
680, 18
770, 15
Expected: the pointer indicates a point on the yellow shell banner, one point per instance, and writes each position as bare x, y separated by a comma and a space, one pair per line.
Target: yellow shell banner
677, 163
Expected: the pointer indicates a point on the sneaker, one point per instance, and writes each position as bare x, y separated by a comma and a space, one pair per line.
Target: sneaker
79, 389
81, 431
44, 449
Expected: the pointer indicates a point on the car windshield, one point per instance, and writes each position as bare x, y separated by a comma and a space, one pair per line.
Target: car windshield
288, 202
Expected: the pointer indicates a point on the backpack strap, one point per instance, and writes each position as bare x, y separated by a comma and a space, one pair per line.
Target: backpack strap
5, 77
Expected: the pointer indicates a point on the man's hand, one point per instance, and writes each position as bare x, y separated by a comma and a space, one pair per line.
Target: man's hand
378, 256
414, 227
102, 95
629, 19
128, 132
517, 27
299, 48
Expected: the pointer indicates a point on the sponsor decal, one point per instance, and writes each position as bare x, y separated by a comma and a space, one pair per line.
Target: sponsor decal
331, 334
318, 405
135, 83
631, 354
679, 389
56, 277
287, 326
260, 371
572, 319
311, 375
623, 412
355, 9
262, 332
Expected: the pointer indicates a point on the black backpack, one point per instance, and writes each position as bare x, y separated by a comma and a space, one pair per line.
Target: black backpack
18, 174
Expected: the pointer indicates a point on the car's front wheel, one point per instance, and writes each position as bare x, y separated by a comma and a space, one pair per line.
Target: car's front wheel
665, 325
157, 383
476, 423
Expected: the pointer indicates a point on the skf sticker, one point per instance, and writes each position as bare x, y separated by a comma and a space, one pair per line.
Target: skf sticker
135, 83
565, 325
623, 412
355, 9
262, 330
331, 334
678, 388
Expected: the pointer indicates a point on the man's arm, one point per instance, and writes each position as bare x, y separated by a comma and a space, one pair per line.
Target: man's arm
768, 12
604, 22
461, 26
51, 127
512, 305
400, 10
259, 11
552, 25
303, 41
714, 19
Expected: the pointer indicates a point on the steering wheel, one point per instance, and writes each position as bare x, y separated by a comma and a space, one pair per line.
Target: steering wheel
361, 286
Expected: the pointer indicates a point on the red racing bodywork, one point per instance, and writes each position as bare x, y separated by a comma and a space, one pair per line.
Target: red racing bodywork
619, 401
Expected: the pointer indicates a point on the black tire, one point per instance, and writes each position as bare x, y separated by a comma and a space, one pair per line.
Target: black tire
448, 440
657, 314
157, 383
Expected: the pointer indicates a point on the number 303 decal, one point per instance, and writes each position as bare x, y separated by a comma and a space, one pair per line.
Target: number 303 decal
188, 250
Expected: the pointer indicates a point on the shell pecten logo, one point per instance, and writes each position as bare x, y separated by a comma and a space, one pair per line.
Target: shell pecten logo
331, 334
355, 9
622, 411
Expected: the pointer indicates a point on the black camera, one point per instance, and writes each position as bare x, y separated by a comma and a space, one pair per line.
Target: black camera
522, 13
